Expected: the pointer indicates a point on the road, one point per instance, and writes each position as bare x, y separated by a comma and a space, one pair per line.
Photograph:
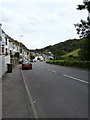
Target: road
0, 98
57, 91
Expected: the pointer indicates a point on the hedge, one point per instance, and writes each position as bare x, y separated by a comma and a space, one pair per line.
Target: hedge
75, 63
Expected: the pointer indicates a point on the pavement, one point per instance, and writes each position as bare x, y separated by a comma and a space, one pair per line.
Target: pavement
15, 102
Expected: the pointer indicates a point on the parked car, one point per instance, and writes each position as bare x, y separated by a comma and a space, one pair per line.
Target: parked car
26, 65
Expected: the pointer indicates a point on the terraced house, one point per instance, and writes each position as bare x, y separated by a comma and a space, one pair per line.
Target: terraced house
0, 51
8, 48
0, 38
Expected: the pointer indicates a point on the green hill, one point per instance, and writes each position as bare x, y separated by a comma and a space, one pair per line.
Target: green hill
63, 48
73, 53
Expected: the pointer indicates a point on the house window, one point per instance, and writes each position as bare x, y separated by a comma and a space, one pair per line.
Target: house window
13, 46
6, 52
10, 53
6, 41
2, 49
20, 50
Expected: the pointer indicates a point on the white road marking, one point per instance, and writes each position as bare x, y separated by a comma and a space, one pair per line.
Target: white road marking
76, 79
52, 70
30, 97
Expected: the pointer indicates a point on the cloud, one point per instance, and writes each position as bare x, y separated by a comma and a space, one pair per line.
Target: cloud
42, 22
32, 1
5, 14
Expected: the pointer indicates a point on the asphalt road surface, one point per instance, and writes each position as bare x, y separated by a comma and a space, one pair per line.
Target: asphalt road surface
57, 91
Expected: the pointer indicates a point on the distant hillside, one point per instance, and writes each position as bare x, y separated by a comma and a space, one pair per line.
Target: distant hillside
73, 53
62, 48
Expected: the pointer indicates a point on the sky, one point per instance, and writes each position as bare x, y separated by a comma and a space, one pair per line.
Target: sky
41, 22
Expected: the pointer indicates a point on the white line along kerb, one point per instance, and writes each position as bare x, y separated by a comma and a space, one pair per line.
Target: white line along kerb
30, 97
76, 79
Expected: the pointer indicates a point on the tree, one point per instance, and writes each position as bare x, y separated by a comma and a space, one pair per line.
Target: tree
32, 57
16, 55
83, 29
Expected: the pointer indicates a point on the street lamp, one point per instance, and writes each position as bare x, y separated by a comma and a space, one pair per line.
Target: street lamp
19, 44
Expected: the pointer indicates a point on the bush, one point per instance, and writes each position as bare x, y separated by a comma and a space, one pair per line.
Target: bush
74, 63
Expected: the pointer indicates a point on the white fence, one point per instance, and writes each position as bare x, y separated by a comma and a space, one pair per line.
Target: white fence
4, 60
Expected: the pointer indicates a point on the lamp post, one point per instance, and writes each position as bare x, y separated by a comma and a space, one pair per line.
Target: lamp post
19, 44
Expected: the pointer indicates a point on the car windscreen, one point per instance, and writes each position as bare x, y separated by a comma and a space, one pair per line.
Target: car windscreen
26, 62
